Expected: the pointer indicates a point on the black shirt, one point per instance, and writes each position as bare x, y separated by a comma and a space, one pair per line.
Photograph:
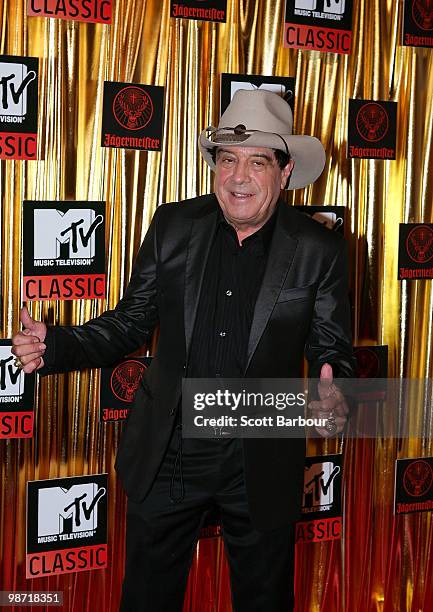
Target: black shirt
230, 288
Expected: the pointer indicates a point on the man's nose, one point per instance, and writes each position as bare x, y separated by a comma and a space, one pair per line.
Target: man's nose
241, 172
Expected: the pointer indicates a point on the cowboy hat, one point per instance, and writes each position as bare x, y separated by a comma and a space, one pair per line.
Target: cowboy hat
262, 118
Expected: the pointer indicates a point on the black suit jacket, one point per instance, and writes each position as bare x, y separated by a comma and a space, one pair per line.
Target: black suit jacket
302, 307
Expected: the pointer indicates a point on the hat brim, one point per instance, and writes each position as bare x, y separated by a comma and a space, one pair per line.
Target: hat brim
306, 151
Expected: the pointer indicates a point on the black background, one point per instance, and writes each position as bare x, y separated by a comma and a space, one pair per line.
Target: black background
410, 26
404, 261
109, 123
389, 139
219, 5
227, 78
33, 487
381, 353
107, 398
336, 506
340, 211
28, 398
401, 496
98, 265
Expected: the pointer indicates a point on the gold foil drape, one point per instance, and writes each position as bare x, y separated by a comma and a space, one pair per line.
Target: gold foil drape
382, 563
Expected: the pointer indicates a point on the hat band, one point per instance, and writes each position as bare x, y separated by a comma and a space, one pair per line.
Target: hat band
238, 134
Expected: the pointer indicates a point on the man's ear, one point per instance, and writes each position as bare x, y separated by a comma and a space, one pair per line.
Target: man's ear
286, 173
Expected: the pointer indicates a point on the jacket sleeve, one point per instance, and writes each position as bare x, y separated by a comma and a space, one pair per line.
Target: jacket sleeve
329, 338
116, 333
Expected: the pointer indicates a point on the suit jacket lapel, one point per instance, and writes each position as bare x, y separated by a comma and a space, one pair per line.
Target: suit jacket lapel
202, 232
280, 257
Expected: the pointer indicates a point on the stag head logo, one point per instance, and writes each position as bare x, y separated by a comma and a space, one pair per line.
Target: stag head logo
372, 122
417, 478
419, 244
422, 13
132, 108
126, 379
367, 363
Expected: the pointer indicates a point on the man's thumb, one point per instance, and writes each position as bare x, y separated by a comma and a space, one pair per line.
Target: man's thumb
326, 374
326, 378
26, 319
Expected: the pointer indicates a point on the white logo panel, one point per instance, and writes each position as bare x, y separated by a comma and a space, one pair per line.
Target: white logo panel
336, 7
79, 503
76, 227
274, 87
307, 5
14, 81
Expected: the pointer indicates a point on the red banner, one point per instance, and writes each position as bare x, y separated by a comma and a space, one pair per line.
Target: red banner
320, 530
314, 38
16, 424
73, 287
66, 561
95, 11
17, 146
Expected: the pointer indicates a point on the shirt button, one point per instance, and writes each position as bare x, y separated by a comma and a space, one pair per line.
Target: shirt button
223, 334
228, 292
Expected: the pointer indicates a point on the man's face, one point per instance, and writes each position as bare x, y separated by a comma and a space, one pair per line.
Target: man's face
247, 185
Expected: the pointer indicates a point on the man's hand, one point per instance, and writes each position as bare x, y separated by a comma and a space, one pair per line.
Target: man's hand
28, 345
331, 406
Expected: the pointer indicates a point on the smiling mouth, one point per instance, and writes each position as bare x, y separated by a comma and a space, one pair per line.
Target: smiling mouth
241, 196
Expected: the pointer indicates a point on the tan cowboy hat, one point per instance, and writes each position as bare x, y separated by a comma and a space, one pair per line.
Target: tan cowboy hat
262, 118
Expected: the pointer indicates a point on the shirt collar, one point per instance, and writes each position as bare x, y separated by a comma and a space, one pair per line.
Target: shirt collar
263, 235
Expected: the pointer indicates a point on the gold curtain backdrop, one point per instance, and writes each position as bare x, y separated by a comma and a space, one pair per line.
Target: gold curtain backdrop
382, 563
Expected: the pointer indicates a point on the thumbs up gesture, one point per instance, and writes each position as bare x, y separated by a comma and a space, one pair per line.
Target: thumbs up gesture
331, 406
28, 345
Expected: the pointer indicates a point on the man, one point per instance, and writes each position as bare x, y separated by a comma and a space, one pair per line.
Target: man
241, 285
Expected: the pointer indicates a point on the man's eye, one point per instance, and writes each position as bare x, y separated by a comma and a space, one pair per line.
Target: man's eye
258, 164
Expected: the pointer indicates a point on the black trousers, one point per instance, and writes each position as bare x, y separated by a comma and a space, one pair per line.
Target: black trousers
162, 532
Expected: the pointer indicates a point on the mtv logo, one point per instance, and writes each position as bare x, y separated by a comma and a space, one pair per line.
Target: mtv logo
308, 5
274, 87
76, 228
319, 484
11, 377
329, 219
14, 80
334, 6
79, 503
